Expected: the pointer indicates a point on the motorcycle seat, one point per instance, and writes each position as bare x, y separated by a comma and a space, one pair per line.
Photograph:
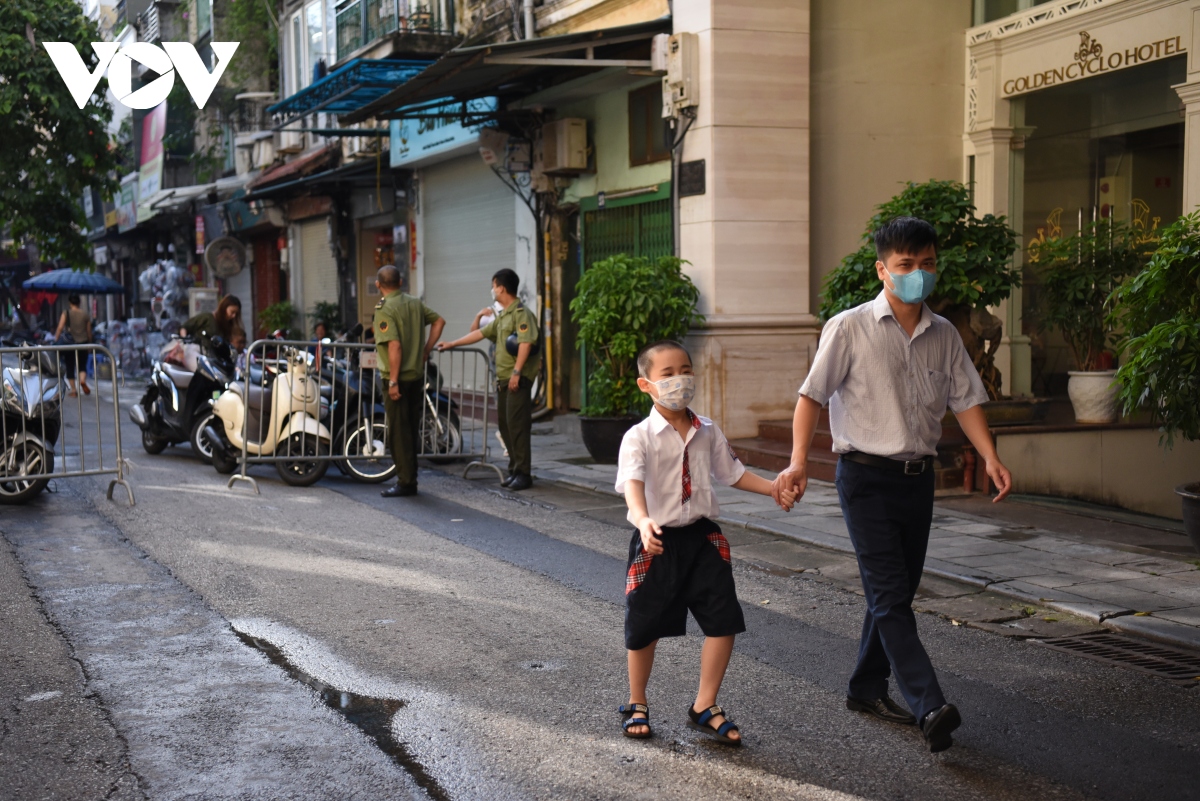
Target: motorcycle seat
179, 376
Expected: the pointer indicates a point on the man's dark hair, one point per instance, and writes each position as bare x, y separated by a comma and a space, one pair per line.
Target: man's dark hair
507, 279
388, 276
73, 299
907, 235
645, 357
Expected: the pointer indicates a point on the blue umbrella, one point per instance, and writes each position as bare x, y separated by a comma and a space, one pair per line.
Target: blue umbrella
67, 280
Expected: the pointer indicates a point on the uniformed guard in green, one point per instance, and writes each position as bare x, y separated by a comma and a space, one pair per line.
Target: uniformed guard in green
399, 327
518, 361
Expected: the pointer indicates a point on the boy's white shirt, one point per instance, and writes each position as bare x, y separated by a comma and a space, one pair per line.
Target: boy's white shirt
652, 452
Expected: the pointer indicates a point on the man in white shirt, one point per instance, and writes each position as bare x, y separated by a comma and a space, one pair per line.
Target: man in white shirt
888, 369
679, 560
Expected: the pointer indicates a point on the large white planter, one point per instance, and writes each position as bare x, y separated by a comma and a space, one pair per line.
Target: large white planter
1094, 396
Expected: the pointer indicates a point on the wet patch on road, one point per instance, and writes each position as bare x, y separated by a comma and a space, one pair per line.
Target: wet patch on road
373, 716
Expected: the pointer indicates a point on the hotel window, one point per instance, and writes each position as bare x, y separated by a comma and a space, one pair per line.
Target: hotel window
647, 128
989, 10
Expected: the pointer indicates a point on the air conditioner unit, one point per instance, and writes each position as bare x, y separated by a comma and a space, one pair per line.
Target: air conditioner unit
564, 146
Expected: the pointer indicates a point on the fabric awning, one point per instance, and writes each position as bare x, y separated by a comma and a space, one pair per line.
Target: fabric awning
348, 88
515, 68
177, 197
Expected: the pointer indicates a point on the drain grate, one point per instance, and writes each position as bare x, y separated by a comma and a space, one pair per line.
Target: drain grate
1163, 661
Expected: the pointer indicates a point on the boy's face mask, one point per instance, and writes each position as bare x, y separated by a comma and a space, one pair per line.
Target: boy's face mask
676, 392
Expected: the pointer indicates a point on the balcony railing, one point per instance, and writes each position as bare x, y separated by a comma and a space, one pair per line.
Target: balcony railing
361, 22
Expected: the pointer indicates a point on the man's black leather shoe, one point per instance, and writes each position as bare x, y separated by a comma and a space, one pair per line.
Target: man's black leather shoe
400, 491
508, 480
883, 708
937, 725
520, 482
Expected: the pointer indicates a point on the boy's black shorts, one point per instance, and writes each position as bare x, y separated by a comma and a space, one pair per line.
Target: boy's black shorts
692, 573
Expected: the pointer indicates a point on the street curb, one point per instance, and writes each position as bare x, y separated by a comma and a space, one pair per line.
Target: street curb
1114, 618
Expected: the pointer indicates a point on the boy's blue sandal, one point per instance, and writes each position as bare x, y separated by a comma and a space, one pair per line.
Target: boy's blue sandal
700, 722
629, 710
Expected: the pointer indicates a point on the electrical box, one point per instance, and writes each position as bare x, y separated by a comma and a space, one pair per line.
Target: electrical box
564, 146
681, 84
660, 46
200, 300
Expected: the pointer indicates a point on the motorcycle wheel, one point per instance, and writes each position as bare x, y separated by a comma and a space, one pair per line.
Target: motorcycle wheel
366, 451
26, 458
301, 473
153, 444
202, 446
223, 462
447, 440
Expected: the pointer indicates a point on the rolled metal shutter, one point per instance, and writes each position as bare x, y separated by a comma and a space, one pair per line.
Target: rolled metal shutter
318, 268
470, 233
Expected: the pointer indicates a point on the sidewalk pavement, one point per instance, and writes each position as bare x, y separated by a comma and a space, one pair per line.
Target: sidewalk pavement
1122, 585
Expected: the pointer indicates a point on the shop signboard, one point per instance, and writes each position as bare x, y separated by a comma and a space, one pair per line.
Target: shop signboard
436, 131
154, 125
1029, 65
127, 205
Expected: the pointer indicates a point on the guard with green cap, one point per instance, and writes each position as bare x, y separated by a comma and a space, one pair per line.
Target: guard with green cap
399, 326
518, 361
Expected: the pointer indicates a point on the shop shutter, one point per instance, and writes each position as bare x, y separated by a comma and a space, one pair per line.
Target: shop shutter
469, 229
641, 229
318, 268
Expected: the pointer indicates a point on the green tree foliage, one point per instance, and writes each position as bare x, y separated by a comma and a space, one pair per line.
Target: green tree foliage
621, 305
52, 149
1077, 275
974, 254
974, 263
278, 317
1159, 312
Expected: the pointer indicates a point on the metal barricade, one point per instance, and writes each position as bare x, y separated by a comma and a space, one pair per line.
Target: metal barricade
460, 407
305, 405
46, 434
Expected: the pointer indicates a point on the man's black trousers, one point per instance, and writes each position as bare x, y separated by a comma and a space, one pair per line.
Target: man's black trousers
403, 429
889, 514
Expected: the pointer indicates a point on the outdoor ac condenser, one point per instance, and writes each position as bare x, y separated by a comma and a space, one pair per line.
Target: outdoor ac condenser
564, 146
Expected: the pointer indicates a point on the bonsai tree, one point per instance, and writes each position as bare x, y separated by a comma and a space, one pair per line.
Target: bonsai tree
621, 305
1158, 311
974, 267
1077, 276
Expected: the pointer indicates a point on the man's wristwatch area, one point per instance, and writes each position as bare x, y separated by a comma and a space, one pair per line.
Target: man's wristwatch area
392, 383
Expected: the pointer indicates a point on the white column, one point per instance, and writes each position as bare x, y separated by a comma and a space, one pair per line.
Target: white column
1189, 93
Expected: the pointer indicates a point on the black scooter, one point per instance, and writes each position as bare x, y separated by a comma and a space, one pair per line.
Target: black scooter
176, 405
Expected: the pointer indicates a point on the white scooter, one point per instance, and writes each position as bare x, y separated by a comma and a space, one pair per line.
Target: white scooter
280, 417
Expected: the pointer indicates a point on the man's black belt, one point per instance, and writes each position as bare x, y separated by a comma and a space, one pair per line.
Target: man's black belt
911, 467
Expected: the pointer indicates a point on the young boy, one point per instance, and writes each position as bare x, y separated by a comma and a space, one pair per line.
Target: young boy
678, 558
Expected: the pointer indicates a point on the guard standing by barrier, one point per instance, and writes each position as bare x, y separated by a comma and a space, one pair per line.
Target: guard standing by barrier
399, 326
518, 361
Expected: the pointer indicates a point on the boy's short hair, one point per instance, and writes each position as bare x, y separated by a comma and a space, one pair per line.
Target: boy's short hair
645, 357
507, 279
907, 235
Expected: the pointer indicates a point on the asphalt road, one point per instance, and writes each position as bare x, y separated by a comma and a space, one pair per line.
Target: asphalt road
210, 643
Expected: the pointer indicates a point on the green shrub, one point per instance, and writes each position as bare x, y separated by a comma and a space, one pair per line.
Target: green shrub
621, 305
1158, 311
328, 313
278, 316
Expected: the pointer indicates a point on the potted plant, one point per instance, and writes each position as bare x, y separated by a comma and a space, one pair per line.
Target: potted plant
974, 268
1158, 311
1077, 275
622, 304
327, 314
278, 317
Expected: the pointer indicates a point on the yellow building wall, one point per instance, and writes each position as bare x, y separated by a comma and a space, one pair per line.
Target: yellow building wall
887, 87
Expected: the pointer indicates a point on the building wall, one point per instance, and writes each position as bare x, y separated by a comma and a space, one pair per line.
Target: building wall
887, 107
567, 16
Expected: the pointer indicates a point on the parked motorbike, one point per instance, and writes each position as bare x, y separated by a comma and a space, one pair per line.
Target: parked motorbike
441, 430
176, 406
32, 420
279, 411
352, 407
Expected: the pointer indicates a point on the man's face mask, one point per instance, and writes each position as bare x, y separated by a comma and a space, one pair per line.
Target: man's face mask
676, 392
913, 287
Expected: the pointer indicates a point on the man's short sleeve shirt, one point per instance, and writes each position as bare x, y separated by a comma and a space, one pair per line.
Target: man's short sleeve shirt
516, 319
402, 317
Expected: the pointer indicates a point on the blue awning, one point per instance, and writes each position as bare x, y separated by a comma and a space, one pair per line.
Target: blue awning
350, 87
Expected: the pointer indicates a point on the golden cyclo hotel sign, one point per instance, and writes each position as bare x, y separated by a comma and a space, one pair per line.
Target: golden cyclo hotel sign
1092, 58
